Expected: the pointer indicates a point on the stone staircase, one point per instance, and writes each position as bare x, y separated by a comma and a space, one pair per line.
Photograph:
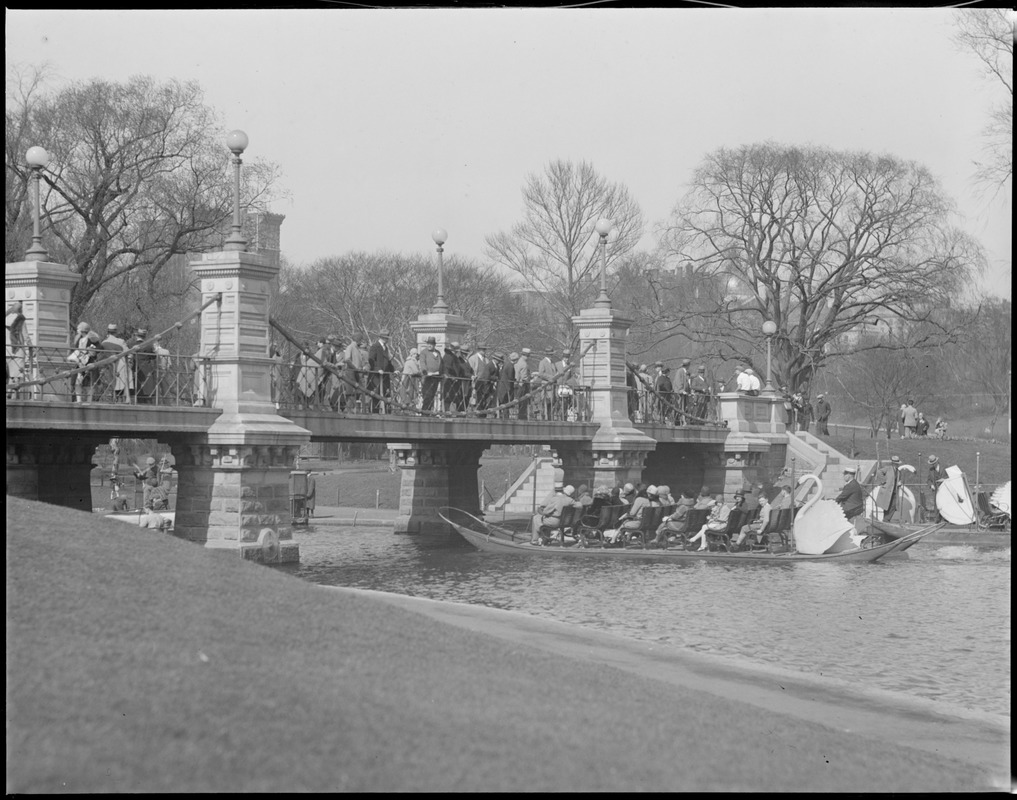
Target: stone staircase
519, 497
814, 456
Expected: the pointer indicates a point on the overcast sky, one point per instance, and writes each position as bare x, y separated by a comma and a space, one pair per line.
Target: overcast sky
390, 123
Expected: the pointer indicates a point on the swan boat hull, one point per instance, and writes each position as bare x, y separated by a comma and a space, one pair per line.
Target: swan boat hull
944, 534
490, 538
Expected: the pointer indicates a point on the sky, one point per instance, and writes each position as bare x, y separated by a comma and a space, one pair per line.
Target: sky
389, 123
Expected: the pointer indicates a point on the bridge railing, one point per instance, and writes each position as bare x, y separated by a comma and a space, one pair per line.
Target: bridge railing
57, 374
646, 404
347, 391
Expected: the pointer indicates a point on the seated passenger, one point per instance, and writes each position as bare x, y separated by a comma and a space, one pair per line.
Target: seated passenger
719, 514
756, 525
550, 513
632, 517
675, 523
705, 499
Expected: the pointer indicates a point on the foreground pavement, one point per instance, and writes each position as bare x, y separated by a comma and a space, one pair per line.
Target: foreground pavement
138, 662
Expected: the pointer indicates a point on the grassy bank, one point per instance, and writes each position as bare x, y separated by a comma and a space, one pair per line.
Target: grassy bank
140, 663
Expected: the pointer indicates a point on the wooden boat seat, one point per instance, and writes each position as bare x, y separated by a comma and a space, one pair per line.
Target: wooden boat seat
590, 528
694, 520
569, 519
723, 538
775, 529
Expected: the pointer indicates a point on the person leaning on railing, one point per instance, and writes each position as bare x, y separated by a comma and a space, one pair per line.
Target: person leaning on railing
86, 352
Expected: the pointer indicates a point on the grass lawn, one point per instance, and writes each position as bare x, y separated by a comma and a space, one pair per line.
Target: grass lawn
137, 662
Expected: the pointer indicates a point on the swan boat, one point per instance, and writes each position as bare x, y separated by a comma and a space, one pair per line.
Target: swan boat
140, 517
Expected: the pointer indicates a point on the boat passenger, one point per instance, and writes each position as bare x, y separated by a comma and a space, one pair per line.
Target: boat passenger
631, 518
627, 495
550, 513
705, 499
719, 514
583, 496
757, 525
676, 521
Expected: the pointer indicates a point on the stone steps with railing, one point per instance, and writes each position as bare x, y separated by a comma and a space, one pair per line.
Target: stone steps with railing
814, 456
519, 498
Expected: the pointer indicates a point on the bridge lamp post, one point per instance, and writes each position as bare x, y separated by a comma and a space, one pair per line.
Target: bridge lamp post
37, 159
769, 329
603, 228
236, 141
440, 236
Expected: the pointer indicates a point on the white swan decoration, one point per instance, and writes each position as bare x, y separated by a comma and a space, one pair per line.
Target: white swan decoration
1001, 499
820, 525
906, 504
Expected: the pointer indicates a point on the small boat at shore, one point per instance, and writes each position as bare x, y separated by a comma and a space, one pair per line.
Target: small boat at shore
946, 534
490, 538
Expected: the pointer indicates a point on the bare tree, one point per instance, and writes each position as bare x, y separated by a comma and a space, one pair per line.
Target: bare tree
554, 248
361, 293
989, 34
818, 242
885, 373
140, 174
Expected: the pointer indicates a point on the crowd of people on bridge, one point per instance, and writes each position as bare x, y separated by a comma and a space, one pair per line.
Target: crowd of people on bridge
686, 398
354, 376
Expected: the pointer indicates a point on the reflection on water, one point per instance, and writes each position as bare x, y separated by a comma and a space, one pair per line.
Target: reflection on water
935, 623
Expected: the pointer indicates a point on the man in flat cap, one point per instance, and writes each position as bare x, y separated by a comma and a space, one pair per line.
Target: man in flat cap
700, 395
430, 369
851, 497
452, 376
522, 370
542, 381
117, 375
379, 362
823, 411
506, 383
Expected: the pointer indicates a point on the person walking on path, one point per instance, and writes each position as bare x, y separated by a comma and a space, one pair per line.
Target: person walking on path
823, 411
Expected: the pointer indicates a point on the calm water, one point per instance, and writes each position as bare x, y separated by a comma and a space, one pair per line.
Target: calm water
935, 624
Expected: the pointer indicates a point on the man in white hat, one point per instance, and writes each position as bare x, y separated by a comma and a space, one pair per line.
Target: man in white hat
87, 352
851, 497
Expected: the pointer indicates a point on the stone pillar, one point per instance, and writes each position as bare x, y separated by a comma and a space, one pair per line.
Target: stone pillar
234, 486
577, 465
618, 447
235, 497
44, 291
52, 468
436, 474
443, 327
745, 414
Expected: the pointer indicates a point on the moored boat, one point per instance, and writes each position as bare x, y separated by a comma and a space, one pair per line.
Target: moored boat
490, 538
142, 518
946, 534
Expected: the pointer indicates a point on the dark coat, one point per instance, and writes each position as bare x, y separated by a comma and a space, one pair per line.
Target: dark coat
851, 498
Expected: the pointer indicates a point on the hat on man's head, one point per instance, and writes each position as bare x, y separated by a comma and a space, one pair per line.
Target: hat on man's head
430, 340
513, 356
686, 362
455, 345
850, 470
894, 459
480, 346
748, 370
569, 490
651, 489
526, 351
658, 363
549, 350
150, 460
383, 334
559, 484
820, 395
701, 368
499, 356
111, 327
933, 460
142, 331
